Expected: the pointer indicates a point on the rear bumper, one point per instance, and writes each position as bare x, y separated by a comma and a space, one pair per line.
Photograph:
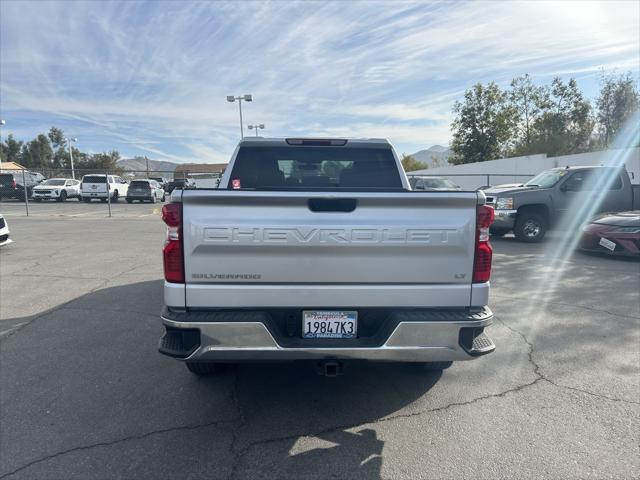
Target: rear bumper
413, 336
94, 195
12, 193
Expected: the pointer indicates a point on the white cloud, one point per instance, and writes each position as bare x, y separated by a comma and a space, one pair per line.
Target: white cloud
156, 74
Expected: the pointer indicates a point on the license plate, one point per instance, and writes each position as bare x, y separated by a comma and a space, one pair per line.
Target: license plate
608, 244
329, 324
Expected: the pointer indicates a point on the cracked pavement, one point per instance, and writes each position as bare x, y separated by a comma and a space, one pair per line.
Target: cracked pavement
84, 393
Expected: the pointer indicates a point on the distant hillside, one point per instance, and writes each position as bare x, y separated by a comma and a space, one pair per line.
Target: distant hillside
139, 163
436, 156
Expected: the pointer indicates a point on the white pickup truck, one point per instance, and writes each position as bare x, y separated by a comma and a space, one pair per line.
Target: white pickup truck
317, 249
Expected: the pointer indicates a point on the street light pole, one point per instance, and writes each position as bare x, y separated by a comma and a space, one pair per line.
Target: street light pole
69, 140
256, 127
248, 98
2, 124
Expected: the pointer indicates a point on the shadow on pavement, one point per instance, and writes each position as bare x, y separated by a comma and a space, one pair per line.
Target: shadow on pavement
88, 373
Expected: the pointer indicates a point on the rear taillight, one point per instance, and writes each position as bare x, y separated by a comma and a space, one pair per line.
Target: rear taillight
13, 184
172, 251
484, 252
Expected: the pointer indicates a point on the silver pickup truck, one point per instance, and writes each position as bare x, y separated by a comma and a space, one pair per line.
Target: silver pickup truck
317, 249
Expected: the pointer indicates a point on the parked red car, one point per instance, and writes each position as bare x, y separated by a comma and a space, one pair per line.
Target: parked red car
613, 234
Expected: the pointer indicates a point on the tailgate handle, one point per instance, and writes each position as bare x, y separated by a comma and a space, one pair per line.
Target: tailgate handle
332, 204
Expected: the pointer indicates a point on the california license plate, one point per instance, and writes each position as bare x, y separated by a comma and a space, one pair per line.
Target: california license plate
608, 244
329, 324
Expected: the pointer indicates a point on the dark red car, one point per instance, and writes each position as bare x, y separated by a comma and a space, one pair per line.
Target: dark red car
613, 234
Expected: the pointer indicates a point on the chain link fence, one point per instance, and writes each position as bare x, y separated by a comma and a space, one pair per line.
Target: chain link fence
18, 186
22, 186
475, 181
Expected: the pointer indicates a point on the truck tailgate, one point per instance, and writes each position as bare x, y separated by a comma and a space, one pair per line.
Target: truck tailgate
269, 249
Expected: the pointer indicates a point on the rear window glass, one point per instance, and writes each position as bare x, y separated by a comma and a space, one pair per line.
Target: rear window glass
311, 167
6, 179
139, 183
94, 179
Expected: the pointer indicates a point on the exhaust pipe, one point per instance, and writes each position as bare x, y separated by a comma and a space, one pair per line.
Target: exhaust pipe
330, 368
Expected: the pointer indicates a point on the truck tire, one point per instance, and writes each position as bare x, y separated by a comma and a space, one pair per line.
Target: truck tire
499, 232
203, 369
530, 227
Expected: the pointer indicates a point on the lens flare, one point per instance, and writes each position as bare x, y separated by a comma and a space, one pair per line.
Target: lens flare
556, 256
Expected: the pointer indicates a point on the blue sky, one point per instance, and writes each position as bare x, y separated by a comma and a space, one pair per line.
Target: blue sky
151, 77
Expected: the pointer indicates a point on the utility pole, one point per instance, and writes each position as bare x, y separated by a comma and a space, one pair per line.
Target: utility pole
147, 162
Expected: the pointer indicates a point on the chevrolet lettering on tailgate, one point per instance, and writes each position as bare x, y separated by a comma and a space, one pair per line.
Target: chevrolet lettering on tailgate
324, 235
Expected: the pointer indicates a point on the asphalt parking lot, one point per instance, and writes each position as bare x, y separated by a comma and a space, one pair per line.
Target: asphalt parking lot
86, 395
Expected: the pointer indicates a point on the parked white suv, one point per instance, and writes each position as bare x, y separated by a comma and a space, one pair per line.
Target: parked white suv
58, 189
96, 186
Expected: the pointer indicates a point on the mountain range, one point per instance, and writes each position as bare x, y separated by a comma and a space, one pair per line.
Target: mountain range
435, 156
140, 164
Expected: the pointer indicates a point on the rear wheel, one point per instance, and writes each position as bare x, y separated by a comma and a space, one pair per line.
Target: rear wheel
163, 197
530, 227
129, 200
86, 200
203, 369
62, 197
115, 196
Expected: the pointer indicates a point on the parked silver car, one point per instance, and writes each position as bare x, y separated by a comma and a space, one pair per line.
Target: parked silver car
145, 190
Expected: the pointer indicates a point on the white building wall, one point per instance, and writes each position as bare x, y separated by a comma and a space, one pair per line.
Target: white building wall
520, 169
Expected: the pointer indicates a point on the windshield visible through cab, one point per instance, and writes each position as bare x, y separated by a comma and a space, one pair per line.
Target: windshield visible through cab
53, 183
546, 179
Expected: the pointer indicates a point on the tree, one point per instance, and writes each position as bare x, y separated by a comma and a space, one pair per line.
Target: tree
57, 137
410, 164
483, 126
103, 161
61, 155
10, 149
37, 153
618, 100
528, 102
565, 123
